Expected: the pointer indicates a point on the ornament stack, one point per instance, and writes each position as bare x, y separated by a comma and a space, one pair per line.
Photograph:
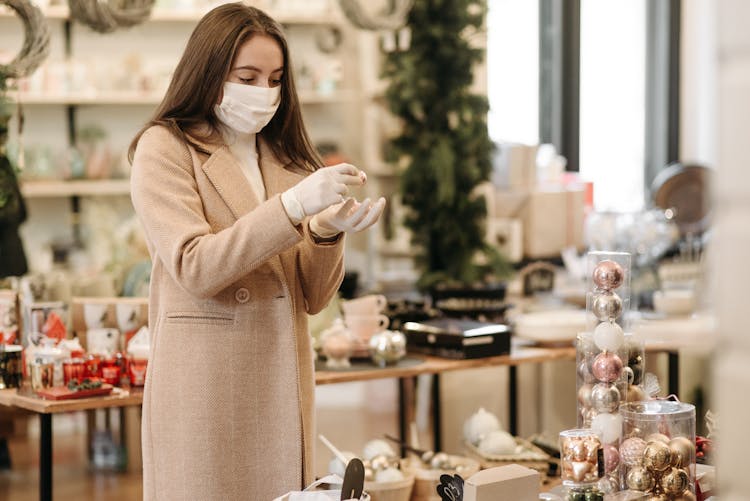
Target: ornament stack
658, 449
610, 363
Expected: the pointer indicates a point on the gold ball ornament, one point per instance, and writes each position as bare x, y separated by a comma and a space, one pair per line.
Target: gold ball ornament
640, 479
683, 451
657, 456
659, 437
584, 395
674, 481
635, 394
657, 497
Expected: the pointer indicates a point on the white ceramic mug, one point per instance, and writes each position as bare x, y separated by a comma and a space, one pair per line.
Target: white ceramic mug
127, 316
364, 326
94, 314
372, 304
102, 341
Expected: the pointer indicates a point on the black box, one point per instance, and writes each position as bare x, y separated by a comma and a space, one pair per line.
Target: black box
454, 338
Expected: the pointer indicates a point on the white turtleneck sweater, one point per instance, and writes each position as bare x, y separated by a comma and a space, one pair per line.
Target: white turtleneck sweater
245, 150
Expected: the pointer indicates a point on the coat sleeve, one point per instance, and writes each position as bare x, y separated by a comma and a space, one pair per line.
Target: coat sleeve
166, 199
320, 268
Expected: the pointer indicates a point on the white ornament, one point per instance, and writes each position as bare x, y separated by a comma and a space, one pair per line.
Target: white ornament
608, 426
479, 425
609, 336
377, 447
337, 467
389, 474
498, 443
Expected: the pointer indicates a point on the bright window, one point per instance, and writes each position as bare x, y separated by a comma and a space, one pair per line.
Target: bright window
513, 70
612, 95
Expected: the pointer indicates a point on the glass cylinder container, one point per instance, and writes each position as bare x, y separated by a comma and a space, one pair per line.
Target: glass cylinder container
581, 457
657, 451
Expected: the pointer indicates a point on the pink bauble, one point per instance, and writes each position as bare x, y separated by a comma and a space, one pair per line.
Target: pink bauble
631, 451
608, 275
611, 458
607, 367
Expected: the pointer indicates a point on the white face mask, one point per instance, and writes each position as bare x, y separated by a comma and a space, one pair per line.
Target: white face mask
247, 108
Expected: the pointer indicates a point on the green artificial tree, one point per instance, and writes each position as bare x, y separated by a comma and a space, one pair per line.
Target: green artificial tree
444, 148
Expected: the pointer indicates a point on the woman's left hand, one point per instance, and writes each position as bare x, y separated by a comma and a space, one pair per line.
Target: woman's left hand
350, 215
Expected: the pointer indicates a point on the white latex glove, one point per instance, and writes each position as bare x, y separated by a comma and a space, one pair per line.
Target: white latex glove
351, 216
325, 187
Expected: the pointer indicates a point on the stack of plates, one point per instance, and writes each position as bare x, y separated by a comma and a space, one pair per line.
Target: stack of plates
554, 327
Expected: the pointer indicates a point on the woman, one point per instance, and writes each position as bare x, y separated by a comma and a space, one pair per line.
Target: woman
245, 234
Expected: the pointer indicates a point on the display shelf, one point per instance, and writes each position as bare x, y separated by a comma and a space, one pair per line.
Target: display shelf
61, 12
152, 99
50, 189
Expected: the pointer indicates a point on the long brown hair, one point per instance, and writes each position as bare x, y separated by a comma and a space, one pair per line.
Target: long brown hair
188, 105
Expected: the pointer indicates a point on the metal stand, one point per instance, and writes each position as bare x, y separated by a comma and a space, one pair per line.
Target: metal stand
45, 457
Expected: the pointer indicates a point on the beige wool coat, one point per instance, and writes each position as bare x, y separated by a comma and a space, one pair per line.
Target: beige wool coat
228, 402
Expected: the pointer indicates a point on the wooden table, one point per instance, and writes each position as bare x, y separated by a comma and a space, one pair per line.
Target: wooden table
429, 365
25, 399
437, 365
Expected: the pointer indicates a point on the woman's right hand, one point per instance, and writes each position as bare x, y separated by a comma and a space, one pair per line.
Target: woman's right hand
326, 186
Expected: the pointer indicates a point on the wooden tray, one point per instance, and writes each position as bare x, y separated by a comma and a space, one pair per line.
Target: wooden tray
63, 393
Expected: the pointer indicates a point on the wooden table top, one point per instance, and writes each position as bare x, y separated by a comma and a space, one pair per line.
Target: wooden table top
436, 365
25, 399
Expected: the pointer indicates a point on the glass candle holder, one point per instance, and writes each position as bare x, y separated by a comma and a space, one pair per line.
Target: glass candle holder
93, 366
11, 366
73, 368
657, 451
137, 371
42, 374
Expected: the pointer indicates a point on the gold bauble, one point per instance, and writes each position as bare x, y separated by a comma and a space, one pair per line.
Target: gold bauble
674, 481
657, 497
640, 479
657, 456
635, 394
683, 451
658, 437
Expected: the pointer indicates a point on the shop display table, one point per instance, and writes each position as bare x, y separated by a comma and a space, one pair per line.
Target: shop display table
25, 399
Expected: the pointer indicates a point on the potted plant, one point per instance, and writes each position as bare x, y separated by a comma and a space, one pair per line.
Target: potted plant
444, 149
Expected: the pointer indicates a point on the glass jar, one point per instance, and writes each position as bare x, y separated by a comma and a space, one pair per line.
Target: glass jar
657, 451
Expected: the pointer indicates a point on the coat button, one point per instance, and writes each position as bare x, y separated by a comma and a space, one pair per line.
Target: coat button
242, 295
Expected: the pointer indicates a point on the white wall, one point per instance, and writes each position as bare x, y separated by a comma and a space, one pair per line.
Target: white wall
731, 374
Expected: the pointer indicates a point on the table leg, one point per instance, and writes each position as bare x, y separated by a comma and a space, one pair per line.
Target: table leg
437, 426
674, 373
402, 406
513, 400
45, 457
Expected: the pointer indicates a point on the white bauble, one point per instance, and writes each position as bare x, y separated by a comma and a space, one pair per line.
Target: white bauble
609, 336
377, 447
479, 425
389, 474
498, 443
608, 426
337, 467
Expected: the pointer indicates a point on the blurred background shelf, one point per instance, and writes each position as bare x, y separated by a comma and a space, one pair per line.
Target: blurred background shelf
50, 189
152, 99
61, 12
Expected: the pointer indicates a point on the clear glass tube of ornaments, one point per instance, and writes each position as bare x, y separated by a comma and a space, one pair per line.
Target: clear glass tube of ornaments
657, 451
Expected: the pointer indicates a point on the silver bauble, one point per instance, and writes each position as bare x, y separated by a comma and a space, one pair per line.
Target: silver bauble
605, 397
607, 306
387, 347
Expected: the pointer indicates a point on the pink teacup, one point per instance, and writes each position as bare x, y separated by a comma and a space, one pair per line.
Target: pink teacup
364, 326
372, 304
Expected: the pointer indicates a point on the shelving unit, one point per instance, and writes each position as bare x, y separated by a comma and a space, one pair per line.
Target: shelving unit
152, 99
75, 188
189, 15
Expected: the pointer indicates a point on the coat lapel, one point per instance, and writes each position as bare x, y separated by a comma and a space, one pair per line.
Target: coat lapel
226, 175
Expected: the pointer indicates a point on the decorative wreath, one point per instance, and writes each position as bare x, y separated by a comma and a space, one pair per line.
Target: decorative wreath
105, 16
36, 40
393, 20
